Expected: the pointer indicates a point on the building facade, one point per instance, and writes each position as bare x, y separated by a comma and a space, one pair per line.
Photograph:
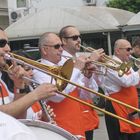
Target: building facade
4, 19
19, 8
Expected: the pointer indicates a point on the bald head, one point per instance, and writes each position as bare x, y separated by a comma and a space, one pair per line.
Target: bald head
121, 43
122, 49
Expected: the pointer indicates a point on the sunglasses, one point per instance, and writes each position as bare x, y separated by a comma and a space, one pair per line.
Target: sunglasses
3, 42
57, 46
74, 37
127, 49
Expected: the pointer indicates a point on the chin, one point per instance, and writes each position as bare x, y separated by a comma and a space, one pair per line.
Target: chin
2, 64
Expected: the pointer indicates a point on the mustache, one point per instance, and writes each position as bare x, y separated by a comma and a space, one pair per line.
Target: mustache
2, 54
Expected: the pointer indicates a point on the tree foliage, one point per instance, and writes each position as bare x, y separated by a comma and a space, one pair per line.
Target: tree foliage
130, 5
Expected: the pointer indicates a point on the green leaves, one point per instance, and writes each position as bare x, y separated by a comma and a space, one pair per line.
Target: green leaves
130, 5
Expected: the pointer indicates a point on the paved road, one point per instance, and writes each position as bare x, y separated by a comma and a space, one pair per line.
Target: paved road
101, 133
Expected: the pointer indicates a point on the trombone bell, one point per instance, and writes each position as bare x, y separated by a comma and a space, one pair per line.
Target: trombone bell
64, 71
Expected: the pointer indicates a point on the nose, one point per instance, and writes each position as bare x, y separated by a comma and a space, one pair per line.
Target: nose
61, 49
79, 40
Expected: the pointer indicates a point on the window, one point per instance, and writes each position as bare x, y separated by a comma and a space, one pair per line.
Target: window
21, 3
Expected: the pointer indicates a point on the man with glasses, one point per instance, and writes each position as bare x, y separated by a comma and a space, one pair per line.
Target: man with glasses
136, 54
7, 103
123, 89
71, 40
68, 114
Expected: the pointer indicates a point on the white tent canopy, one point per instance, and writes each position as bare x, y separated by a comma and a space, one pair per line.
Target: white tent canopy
87, 20
111, 16
133, 23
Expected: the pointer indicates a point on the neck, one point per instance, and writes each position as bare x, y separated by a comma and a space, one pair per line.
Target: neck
50, 60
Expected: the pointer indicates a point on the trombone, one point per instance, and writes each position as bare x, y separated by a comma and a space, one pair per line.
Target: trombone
111, 63
47, 69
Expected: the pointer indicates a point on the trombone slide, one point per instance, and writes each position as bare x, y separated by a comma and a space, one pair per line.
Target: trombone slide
38, 66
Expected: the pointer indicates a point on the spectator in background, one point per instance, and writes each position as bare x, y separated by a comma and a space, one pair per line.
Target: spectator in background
136, 54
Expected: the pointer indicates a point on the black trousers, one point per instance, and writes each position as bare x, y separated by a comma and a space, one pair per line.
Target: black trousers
89, 135
113, 127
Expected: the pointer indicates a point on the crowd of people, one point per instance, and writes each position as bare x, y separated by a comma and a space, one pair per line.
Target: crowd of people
76, 118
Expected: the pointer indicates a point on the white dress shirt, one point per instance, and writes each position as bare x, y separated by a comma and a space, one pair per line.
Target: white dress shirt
113, 83
12, 129
45, 78
10, 98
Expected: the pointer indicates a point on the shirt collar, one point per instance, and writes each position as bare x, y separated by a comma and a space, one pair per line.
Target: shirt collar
44, 61
66, 53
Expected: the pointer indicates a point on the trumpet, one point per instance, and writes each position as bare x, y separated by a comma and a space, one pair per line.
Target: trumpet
111, 63
136, 61
36, 65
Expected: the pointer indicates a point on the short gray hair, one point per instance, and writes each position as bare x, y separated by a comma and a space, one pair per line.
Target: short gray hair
43, 39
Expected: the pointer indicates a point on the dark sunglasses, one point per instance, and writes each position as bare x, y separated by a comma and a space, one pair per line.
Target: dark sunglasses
3, 42
57, 46
127, 49
74, 37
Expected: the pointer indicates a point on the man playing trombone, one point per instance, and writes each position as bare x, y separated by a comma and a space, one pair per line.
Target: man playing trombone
68, 113
123, 89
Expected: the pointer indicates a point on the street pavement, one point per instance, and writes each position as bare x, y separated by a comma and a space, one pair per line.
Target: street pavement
101, 132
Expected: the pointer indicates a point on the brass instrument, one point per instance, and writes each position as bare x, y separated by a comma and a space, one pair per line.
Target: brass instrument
111, 63
47, 69
64, 71
34, 84
136, 61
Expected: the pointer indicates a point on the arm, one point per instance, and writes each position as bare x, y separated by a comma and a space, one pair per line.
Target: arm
126, 80
15, 108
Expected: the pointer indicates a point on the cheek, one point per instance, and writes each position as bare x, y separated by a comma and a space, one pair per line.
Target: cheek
138, 51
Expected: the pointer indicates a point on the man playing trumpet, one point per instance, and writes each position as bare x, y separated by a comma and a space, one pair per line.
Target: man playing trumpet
123, 89
71, 40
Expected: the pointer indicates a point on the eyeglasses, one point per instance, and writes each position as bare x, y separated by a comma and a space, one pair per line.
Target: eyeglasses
57, 46
3, 42
127, 49
74, 37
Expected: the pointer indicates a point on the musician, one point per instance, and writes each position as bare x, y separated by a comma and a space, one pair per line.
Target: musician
136, 54
123, 89
35, 112
68, 114
7, 103
12, 129
136, 49
70, 37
